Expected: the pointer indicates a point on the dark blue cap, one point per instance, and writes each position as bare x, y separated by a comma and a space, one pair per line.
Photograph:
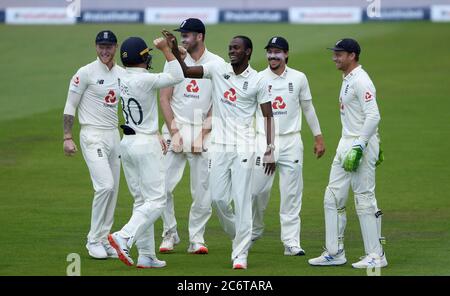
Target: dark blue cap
348, 45
134, 51
278, 42
106, 37
191, 25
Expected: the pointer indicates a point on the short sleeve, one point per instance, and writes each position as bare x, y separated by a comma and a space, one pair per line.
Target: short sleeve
304, 92
210, 68
263, 94
80, 81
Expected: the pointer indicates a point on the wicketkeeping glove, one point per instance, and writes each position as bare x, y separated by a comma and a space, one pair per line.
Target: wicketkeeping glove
380, 157
353, 157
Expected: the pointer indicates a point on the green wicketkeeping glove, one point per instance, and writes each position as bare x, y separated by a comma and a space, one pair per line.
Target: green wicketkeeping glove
380, 157
353, 157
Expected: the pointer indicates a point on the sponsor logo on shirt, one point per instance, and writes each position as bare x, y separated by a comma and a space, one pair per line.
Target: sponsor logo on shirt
76, 80
279, 104
368, 96
230, 97
346, 89
110, 99
226, 76
100, 81
192, 87
341, 106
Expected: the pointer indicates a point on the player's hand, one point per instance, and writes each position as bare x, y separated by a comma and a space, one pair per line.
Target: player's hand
197, 145
163, 143
380, 157
177, 142
183, 52
161, 43
319, 146
352, 159
69, 147
171, 39
269, 162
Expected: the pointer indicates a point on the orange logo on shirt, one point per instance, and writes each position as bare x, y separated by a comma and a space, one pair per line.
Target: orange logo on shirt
192, 86
368, 96
278, 103
230, 95
111, 97
76, 80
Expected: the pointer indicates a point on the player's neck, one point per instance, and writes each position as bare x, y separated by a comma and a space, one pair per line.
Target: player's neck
239, 68
197, 54
110, 64
350, 68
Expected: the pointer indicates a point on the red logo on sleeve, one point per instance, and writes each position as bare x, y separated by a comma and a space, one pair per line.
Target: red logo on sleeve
76, 80
278, 103
110, 97
368, 96
230, 95
192, 86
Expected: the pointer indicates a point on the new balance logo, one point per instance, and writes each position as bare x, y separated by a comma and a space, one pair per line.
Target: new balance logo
100, 81
226, 76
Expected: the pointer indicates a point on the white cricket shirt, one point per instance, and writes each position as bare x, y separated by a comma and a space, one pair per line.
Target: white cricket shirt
357, 101
235, 99
191, 99
99, 91
287, 90
138, 91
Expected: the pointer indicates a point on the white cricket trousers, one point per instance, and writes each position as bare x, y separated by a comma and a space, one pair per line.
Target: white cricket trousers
230, 180
201, 209
101, 151
363, 185
289, 159
175, 163
142, 161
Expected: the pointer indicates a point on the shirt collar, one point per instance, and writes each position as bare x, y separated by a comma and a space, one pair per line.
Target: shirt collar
136, 70
245, 73
352, 74
283, 75
103, 66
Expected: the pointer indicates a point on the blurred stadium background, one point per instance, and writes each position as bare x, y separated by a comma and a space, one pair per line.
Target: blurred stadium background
45, 198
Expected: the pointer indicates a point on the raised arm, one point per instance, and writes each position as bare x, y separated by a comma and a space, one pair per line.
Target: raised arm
189, 72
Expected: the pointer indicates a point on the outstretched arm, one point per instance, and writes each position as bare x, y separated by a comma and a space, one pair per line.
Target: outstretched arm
189, 72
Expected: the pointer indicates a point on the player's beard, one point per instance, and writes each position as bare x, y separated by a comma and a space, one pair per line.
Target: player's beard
276, 66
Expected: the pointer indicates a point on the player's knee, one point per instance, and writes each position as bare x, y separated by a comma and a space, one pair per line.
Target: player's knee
329, 201
364, 203
106, 188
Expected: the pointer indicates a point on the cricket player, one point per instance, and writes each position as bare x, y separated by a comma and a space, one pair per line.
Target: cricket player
186, 108
290, 98
94, 92
357, 155
142, 153
237, 92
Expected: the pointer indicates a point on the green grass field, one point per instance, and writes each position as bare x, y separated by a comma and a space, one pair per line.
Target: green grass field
45, 197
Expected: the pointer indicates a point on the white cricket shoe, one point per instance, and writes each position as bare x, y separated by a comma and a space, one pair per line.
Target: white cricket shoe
110, 251
120, 244
240, 263
371, 261
149, 262
96, 250
169, 241
293, 251
328, 260
197, 248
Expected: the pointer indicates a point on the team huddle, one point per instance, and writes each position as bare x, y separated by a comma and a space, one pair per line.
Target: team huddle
235, 126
